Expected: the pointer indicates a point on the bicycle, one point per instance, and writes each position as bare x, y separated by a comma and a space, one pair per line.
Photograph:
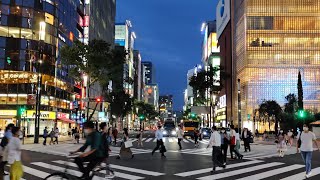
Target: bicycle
64, 175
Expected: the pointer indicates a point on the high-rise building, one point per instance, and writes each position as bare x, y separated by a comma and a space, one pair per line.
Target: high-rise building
31, 35
151, 95
137, 75
166, 106
273, 41
149, 72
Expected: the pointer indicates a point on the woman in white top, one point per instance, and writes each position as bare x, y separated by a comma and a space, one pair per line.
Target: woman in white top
14, 155
306, 147
290, 137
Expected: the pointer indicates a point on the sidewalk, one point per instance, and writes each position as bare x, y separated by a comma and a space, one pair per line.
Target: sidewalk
30, 140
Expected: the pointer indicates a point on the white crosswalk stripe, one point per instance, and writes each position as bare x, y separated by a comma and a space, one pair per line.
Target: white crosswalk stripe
41, 170
252, 170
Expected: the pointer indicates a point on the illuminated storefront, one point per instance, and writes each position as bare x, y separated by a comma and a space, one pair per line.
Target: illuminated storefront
31, 35
273, 41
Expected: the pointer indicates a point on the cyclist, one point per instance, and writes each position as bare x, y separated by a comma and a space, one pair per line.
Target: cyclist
95, 155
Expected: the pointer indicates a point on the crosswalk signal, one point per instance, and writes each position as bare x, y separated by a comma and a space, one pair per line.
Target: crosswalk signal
301, 113
21, 110
8, 60
141, 117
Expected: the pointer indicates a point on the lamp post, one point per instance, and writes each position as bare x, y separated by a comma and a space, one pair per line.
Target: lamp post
239, 107
42, 34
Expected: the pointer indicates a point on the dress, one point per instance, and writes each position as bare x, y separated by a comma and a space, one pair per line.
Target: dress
281, 146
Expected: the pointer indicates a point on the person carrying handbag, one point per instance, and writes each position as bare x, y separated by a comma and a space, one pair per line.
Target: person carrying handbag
233, 143
125, 151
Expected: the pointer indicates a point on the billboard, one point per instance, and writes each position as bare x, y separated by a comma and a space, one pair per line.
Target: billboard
223, 16
120, 32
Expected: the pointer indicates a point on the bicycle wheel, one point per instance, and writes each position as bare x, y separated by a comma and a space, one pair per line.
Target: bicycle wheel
58, 176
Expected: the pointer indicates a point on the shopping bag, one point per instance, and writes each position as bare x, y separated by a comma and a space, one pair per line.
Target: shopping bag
128, 144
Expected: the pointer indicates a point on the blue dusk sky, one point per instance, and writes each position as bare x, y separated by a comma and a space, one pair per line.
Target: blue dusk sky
168, 35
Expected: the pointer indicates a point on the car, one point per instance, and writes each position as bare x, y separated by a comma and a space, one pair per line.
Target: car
169, 132
205, 133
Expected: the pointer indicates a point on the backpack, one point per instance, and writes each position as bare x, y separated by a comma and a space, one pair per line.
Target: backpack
299, 141
4, 142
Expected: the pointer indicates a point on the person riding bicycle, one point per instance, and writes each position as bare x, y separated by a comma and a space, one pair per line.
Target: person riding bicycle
95, 155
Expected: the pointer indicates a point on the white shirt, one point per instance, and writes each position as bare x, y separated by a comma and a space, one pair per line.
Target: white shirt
215, 139
307, 141
237, 137
14, 150
159, 134
180, 134
232, 132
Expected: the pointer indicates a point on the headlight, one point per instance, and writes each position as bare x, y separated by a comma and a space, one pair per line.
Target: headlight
205, 133
165, 132
185, 131
173, 132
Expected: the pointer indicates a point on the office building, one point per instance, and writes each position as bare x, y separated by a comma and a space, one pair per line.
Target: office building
166, 106
149, 72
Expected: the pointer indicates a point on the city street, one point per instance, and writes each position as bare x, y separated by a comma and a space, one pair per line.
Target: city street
190, 163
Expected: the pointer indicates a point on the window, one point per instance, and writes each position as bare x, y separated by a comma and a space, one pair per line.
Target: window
49, 18
260, 22
14, 32
4, 20
5, 9
4, 31
27, 12
28, 3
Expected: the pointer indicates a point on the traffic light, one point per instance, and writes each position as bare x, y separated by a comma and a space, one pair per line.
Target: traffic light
21, 110
98, 100
8, 60
301, 113
141, 117
193, 115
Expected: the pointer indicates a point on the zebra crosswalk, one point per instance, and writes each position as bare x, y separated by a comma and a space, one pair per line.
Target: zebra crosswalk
41, 170
173, 140
252, 170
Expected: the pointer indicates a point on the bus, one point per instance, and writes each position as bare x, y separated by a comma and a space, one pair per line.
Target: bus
189, 126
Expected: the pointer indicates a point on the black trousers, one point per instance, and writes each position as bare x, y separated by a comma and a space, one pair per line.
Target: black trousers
56, 140
232, 150
179, 143
216, 157
224, 151
45, 140
159, 144
93, 161
246, 144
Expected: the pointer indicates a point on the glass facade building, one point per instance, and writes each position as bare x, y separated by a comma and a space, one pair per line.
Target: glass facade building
273, 40
23, 57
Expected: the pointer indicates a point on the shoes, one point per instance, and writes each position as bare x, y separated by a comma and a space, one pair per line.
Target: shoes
309, 175
241, 157
163, 156
224, 166
212, 172
118, 157
132, 156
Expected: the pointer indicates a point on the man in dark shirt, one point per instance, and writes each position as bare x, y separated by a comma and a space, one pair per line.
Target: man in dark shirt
95, 155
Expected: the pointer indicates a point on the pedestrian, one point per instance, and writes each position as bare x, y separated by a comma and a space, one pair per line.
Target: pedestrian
225, 140
215, 143
233, 143
51, 136
180, 137
115, 135
196, 137
265, 135
246, 137
281, 146
76, 135
139, 137
238, 144
105, 132
200, 134
56, 135
160, 145
4, 149
257, 133
290, 137
125, 151
72, 132
109, 135
14, 155
45, 135
306, 147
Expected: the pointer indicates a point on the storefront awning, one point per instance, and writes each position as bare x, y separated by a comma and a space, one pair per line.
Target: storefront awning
66, 120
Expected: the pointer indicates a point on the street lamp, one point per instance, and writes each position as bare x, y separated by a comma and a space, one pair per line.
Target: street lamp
42, 35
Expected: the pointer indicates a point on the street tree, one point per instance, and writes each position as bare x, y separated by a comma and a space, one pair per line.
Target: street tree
300, 92
145, 112
271, 109
291, 104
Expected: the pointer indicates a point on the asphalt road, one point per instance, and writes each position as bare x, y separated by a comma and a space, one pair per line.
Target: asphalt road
190, 163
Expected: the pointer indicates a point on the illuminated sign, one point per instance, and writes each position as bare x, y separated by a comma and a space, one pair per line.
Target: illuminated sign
71, 36
120, 32
86, 21
8, 112
80, 21
43, 114
63, 115
61, 38
214, 43
222, 15
223, 101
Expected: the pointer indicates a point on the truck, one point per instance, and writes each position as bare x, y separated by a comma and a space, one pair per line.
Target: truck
189, 126
169, 127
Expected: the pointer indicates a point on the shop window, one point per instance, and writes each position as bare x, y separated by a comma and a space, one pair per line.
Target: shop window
22, 99
26, 33
3, 99
5, 9
4, 20
19, 2
14, 20
15, 10
22, 65
3, 88
260, 22
12, 99
4, 31
22, 88
14, 32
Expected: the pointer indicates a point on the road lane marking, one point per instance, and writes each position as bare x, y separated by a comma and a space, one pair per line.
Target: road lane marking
170, 139
149, 139
202, 171
302, 175
240, 171
272, 172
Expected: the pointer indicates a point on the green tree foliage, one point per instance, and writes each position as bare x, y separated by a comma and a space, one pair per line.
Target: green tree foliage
120, 103
291, 104
269, 109
145, 109
300, 92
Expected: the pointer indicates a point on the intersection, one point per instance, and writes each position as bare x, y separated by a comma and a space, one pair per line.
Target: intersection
189, 163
